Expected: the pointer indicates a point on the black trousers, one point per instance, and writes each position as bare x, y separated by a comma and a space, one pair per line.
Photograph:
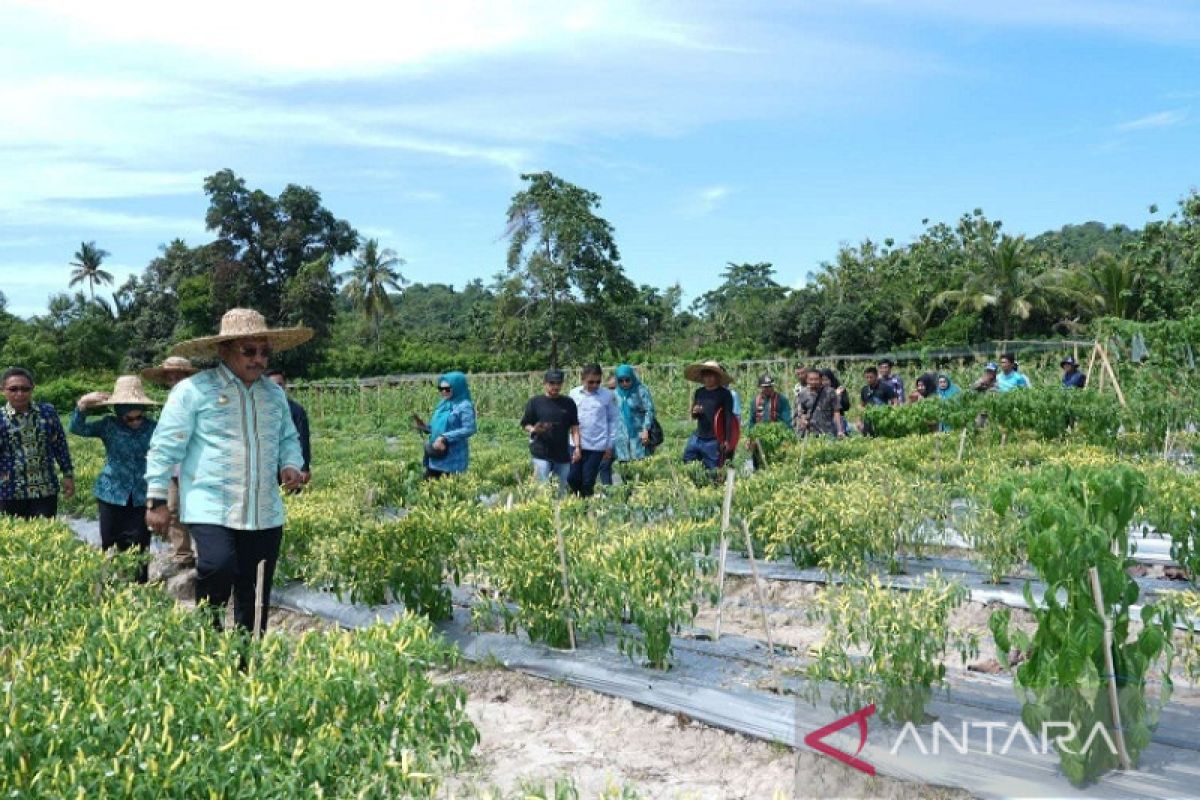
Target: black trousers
28, 509
227, 564
124, 527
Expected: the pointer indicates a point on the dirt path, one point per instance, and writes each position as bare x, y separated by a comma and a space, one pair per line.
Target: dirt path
534, 731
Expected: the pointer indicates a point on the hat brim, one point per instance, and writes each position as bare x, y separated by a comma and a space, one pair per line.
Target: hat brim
695, 373
206, 347
130, 401
159, 374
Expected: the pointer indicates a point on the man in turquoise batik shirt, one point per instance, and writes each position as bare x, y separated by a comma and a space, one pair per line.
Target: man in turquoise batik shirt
230, 430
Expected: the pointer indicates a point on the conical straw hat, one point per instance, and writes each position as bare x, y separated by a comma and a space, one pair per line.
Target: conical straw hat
243, 323
694, 372
171, 364
129, 392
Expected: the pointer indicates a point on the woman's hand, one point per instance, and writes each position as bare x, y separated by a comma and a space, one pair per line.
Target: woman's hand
439, 444
91, 400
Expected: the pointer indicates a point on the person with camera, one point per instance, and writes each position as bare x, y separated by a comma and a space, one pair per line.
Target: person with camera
447, 450
819, 411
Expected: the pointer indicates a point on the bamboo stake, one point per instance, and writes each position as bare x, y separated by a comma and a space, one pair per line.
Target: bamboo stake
1166, 444
1112, 374
508, 504
1098, 596
762, 601
562, 562
258, 598
761, 455
726, 509
1091, 363
962, 443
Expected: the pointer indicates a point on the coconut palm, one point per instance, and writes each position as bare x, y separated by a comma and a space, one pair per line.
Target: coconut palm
1008, 279
88, 259
1115, 282
366, 285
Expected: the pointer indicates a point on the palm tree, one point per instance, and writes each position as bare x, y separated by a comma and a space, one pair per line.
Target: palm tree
367, 283
1007, 279
1115, 282
87, 267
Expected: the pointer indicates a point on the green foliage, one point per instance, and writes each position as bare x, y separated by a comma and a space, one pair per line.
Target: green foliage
112, 690
886, 647
1076, 519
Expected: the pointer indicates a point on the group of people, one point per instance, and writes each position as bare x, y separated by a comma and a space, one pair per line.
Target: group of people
206, 473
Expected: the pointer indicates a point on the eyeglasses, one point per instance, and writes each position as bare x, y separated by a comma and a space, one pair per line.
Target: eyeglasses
249, 351
18, 389
445, 389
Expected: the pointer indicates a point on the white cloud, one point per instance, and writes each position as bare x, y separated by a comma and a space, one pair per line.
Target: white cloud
1162, 119
706, 200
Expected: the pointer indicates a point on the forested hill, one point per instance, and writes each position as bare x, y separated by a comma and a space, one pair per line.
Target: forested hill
563, 295
1079, 244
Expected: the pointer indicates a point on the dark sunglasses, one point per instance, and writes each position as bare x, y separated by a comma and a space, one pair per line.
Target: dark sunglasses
248, 351
18, 389
445, 389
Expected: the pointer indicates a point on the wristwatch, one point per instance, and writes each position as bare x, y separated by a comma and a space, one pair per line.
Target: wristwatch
155, 502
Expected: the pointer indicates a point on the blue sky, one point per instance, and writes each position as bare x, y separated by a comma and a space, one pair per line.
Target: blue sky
714, 132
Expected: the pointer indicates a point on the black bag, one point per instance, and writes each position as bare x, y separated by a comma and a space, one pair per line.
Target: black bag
656, 435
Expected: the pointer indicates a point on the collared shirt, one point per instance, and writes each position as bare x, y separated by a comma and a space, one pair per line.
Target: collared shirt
123, 478
232, 441
30, 445
597, 417
1074, 380
1007, 381
897, 384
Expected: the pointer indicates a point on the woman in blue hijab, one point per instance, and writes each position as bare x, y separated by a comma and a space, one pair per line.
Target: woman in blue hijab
637, 415
453, 422
946, 390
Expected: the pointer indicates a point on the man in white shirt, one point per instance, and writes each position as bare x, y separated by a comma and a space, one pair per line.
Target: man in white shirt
597, 430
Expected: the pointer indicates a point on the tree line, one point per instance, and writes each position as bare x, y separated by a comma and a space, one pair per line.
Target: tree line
563, 296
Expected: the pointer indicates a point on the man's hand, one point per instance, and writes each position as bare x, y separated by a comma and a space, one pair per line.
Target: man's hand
158, 519
576, 455
697, 410
68, 485
608, 455
291, 479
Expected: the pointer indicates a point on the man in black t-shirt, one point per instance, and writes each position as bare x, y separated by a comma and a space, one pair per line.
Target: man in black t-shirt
552, 422
706, 402
876, 393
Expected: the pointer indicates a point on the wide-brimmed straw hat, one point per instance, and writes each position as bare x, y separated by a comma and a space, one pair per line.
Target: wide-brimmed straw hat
128, 391
695, 372
173, 364
243, 323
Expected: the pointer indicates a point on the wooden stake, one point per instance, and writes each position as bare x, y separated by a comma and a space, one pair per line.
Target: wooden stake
761, 455
1098, 596
1091, 362
726, 510
508, 504
1111, 373
258, 598
1166, 444
762, 602
962, 443
562, 562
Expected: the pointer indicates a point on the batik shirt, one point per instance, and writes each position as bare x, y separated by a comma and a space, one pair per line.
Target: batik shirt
231, 441
30, 446
123, 478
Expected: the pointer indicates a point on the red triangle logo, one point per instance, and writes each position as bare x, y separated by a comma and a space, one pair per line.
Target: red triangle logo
813, 740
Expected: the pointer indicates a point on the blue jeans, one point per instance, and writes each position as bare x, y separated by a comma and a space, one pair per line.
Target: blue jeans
706, 450
606, 472
585, 471
543, 469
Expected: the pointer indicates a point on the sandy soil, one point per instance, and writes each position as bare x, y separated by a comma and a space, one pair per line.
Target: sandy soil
534, 731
